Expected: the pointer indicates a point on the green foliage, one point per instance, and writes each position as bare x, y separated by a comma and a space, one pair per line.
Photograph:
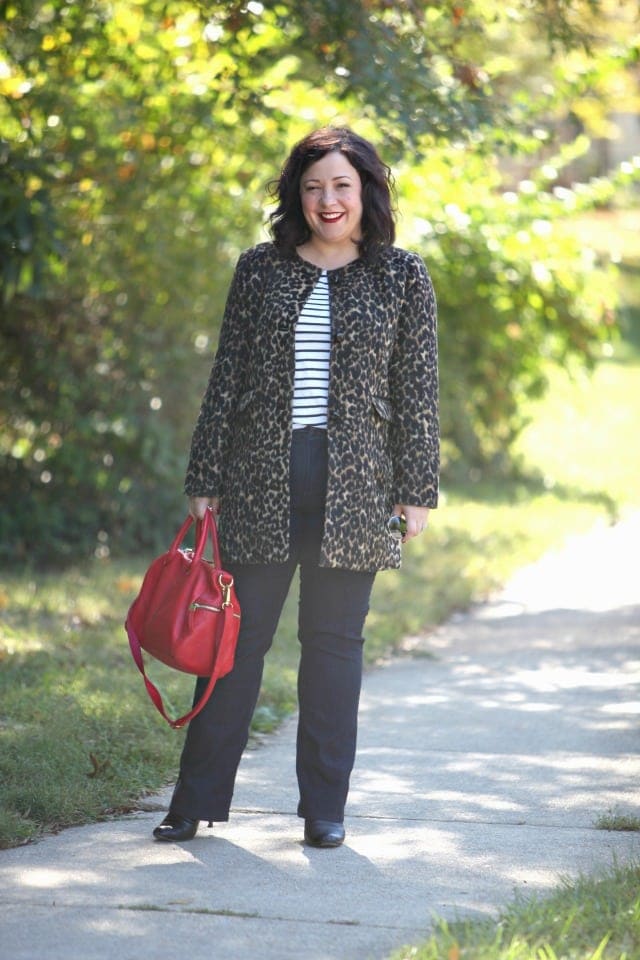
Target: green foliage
618, 820
135, 142
516, 287
589, 918
97, 356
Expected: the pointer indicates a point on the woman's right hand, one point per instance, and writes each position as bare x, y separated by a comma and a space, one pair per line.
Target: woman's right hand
198, 506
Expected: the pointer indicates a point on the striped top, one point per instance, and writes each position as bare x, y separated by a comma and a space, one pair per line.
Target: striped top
313, 352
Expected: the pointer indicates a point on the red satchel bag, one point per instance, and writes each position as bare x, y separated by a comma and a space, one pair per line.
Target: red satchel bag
187, 615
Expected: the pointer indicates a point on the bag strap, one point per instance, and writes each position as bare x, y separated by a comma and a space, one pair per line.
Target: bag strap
152, 690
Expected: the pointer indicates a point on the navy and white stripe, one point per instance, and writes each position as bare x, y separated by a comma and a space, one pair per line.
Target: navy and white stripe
313, 352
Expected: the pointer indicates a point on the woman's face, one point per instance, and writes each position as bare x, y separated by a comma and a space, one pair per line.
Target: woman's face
331, 196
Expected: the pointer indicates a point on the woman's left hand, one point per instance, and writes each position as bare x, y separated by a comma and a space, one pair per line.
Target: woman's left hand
417, 519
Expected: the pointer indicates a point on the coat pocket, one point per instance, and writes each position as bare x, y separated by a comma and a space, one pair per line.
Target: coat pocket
378, 443
382, 406
245, 400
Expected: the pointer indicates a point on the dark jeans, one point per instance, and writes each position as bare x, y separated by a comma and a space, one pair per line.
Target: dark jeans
333, 606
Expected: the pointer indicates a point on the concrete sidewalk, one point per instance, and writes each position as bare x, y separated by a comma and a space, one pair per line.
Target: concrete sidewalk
480, 772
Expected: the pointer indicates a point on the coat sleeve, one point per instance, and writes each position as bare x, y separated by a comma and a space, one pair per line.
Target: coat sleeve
212, 433
413, 384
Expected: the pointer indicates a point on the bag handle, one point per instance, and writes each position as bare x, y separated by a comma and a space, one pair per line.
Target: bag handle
152, 690
205, 528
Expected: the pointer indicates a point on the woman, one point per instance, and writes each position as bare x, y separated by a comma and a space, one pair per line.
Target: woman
318, 424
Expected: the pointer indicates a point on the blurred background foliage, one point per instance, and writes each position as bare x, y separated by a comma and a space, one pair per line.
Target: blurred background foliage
136, 140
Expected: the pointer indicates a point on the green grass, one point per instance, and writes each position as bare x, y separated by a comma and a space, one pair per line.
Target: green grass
578, 432
618, 820
595, 918
75, 741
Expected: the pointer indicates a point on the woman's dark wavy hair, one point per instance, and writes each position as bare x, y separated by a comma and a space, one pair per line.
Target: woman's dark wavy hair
288, 226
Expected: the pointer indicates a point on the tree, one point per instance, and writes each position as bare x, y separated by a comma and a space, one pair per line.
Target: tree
136, 138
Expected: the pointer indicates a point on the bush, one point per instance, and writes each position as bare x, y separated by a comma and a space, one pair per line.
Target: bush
136, 175
102, 389
515, 289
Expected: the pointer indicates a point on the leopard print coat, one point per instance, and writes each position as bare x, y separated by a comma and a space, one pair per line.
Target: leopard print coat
383, 444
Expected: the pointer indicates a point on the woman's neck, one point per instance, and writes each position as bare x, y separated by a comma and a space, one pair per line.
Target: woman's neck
328, 258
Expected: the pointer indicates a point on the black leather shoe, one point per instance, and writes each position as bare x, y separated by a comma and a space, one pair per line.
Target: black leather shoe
323, 833
176, 828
